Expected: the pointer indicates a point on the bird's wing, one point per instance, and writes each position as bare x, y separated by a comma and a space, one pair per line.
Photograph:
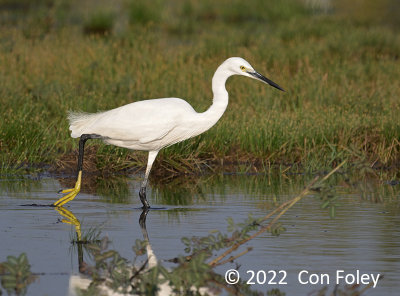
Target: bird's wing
162, 132
143, 121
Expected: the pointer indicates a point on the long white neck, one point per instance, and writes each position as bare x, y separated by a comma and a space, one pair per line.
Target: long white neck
220, 99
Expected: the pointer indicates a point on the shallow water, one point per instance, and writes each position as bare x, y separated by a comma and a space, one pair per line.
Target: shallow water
363, 235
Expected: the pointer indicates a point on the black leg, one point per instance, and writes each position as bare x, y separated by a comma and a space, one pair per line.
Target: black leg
74, 191
143, 199
82, 142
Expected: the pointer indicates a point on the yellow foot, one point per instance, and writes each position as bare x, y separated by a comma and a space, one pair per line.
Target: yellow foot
66, 190
71, 192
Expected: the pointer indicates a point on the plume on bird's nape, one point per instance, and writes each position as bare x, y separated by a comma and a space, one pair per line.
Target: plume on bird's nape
79, 121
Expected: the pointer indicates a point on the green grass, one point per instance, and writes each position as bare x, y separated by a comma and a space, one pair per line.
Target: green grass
341, 77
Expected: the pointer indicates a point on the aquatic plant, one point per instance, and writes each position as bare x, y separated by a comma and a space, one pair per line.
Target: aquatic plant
16, 275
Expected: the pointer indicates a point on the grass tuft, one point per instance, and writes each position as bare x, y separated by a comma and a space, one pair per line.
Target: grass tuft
100, 22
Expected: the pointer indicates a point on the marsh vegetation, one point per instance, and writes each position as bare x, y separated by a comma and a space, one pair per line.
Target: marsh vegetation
339, 73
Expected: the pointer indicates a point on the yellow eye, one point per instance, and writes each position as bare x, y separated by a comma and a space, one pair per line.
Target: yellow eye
243, 68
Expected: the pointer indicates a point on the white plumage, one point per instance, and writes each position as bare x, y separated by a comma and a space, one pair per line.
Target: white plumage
144, 125
151, 125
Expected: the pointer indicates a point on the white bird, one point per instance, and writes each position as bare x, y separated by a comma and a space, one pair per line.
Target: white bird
151, 125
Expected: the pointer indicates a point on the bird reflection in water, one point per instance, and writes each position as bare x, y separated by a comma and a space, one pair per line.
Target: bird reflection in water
83, 280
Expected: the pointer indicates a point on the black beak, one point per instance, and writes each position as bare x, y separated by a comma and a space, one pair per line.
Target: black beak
262, 78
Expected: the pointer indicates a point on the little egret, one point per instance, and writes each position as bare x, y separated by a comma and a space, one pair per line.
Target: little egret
151, 125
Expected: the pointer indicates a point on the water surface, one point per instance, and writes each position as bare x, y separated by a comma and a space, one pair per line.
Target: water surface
363, 234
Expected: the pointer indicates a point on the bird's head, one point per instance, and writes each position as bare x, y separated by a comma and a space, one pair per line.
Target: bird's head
240, 66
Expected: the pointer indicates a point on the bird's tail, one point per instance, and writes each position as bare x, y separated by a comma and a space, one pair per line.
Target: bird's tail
80, 121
